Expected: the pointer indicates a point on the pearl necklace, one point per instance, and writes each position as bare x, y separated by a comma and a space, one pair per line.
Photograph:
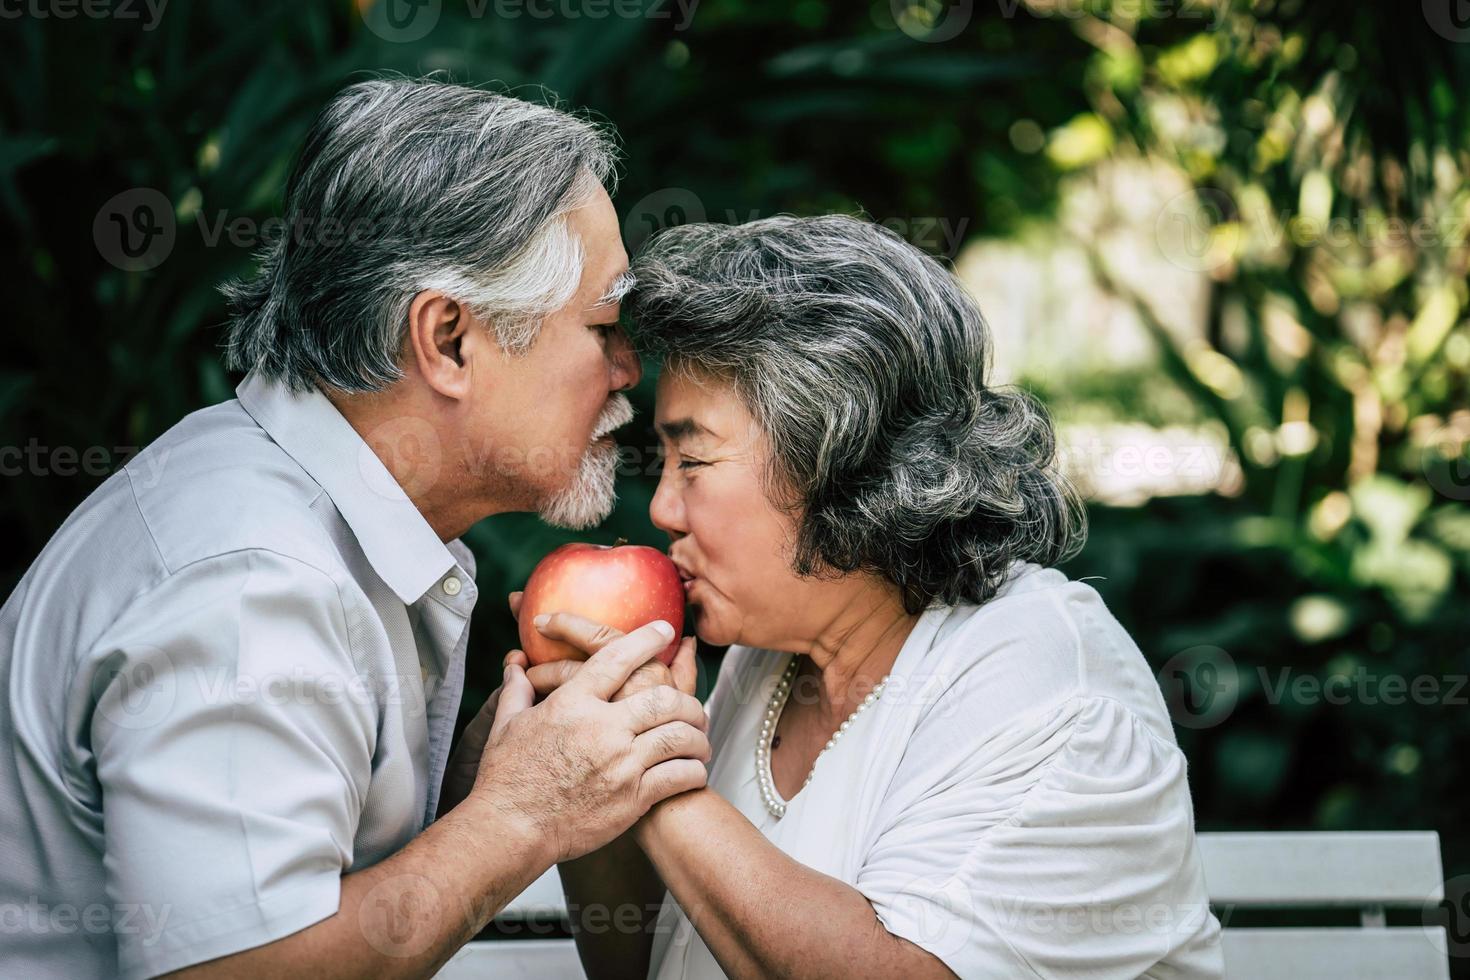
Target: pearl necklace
768, 729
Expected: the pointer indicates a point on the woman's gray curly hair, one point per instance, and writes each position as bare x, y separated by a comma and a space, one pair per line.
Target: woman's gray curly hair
864, 363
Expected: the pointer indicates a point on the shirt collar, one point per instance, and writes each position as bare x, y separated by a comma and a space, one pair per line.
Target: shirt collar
400, 545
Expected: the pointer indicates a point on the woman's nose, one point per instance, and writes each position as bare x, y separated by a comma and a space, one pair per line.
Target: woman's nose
666, 510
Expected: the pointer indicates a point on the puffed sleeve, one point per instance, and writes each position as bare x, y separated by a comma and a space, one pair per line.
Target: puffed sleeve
233, 743
1061, 846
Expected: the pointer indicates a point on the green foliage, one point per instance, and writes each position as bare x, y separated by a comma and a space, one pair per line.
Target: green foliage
1337, 359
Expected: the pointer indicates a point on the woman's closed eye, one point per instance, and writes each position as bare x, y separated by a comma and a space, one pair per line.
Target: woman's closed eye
685, 462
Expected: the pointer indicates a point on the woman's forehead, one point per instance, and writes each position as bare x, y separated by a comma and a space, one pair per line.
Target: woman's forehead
690, 407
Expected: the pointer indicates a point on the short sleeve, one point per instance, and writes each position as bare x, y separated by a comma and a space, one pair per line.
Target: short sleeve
233, 743
1061, 847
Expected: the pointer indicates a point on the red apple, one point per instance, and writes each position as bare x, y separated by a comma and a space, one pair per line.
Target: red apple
624, 586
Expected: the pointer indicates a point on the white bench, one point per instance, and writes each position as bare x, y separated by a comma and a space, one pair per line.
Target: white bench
1367, 872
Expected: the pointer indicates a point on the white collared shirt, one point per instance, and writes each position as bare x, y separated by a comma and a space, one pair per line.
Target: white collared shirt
230, 677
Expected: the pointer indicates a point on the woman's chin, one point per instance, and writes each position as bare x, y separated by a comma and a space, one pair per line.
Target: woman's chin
709, 629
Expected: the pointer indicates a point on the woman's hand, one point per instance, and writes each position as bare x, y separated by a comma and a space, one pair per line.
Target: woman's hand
589, 637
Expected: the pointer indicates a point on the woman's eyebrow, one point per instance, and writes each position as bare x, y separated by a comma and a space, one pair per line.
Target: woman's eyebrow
676, 429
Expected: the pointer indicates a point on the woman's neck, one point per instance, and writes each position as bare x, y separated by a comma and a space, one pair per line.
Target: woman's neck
857, 649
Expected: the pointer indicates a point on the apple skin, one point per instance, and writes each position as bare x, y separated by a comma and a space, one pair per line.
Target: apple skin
624, 586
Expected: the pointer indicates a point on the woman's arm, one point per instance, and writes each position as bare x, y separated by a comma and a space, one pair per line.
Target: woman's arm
613, 893
613, 897
761, 913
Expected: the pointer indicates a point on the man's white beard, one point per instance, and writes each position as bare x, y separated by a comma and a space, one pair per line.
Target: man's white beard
590, 497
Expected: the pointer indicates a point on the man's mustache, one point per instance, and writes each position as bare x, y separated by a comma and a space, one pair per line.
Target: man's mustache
617, 413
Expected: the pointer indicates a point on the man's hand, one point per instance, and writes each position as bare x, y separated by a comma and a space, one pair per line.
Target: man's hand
581, 767
589, 637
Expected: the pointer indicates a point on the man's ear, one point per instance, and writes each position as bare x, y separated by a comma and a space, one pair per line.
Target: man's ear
437, 328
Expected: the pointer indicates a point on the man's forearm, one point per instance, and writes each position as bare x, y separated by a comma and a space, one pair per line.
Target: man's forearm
613, 896
407, 915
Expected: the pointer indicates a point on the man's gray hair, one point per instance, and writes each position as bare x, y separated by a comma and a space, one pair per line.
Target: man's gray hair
404, 185
864, 363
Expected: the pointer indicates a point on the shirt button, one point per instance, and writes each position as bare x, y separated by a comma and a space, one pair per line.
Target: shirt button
451, 586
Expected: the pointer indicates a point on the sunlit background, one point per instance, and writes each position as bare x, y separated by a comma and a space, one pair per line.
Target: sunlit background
1225, 242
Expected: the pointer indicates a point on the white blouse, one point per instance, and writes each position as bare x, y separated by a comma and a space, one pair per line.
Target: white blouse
1014, 803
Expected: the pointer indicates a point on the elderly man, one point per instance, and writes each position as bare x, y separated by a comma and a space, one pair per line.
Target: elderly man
232, 675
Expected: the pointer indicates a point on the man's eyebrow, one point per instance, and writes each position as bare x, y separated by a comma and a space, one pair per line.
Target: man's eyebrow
617, 289
677, 429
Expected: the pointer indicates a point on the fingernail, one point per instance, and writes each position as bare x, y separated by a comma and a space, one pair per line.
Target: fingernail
666, 629
542, 620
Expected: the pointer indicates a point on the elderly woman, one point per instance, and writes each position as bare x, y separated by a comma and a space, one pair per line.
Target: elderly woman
932, 754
